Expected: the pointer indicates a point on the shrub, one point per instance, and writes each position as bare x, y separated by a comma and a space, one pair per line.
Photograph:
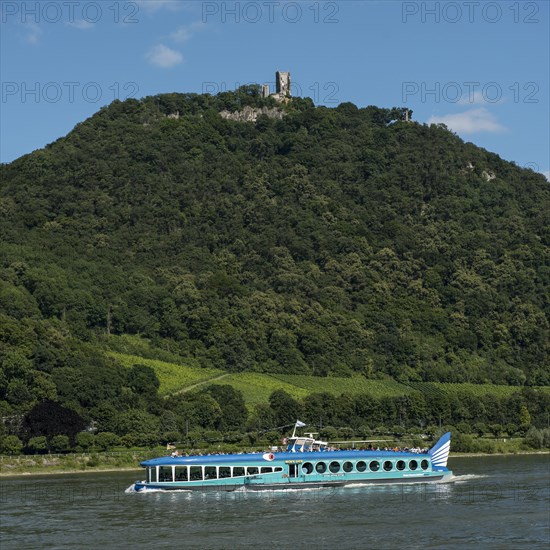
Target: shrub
464, 428
534, 438
511, 429
496, 429
328, 434
85, 440
106, 440
37, 445
480, 429
11, 445
60, 443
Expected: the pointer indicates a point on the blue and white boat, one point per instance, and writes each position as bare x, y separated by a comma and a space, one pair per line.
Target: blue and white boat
306, 463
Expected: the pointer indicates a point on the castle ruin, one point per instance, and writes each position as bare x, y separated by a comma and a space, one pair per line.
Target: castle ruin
282, 87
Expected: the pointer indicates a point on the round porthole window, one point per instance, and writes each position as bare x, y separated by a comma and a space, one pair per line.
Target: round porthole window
307, 467
388, 466
413, 465
334, 467
424, 464
374, 466
361, 466
400, 465
321, 467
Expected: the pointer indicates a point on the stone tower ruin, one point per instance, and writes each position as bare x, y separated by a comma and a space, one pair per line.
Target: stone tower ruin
282, 87
282, 80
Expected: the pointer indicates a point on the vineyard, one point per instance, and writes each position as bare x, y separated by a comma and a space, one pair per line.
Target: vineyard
354, 385
477, 390
257, 387
173, 377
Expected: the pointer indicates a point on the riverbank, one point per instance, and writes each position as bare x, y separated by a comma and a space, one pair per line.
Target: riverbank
37, 465
73, 463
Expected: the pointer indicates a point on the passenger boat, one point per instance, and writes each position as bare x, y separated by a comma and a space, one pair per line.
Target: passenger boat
306, 463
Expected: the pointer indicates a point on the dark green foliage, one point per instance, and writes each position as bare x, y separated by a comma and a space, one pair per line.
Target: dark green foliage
233, 409
330, 242
48, 418
10, 445
143, 380
286, 410
467, 413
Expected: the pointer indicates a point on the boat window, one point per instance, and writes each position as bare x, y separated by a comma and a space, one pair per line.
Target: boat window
361, 466
334, 467
347, 467
195, 473
238, 471
252, 470
307, 468
153, 475
388, 465
279, 469
225, 471
181, 473
210, 472
266, 469
424, 464
374, 466
400, 465
413, 465
321, 467
165, 473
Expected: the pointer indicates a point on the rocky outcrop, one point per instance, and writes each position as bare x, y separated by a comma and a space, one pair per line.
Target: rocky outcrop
250, 114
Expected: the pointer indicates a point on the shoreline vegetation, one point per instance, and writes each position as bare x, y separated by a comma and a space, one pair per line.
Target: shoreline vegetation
76, 463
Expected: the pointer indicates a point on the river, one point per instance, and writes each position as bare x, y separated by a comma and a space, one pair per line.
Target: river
494, 502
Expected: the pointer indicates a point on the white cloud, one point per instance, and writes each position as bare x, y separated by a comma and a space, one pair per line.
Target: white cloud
546, 174
472, 99
33, 33
163, 56
186, 32
470, 122
80, 24
479, 97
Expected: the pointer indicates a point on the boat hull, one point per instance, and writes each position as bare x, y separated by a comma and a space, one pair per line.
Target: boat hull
289, 485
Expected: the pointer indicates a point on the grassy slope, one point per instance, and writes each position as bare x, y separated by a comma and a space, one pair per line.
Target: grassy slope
173, 377
257, 387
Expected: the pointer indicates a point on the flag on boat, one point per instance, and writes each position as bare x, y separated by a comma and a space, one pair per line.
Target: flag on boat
299, 424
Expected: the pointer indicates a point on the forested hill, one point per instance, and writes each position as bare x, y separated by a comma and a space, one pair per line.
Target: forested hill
326, 242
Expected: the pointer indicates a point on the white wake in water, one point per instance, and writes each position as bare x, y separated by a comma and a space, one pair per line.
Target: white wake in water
463, 478
131, 490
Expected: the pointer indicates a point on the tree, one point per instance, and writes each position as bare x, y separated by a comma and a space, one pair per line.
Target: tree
60, 443
49, 418
135, 421
37, 445
286, 409
85, 440
534, 438
105, 440
524, 416
232, 405
143, 380
11, 445
496, 429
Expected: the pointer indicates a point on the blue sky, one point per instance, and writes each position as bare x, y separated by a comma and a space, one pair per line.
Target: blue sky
480, 67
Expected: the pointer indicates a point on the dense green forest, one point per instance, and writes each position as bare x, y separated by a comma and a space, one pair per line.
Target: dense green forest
330, 242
